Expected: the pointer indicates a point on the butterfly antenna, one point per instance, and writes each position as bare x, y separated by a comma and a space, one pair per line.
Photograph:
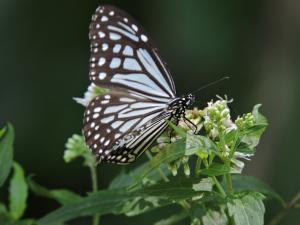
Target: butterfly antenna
210, 84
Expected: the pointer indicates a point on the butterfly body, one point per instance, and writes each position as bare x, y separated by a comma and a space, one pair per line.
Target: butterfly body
121, 124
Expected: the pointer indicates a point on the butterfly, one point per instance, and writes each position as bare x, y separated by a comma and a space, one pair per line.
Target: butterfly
121, 124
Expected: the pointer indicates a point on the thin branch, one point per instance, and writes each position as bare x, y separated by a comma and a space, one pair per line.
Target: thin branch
292, 204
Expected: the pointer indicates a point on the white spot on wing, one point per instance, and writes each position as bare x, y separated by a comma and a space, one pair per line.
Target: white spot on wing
116, 124
123, 32
114, 36
107, 119
104, 47
126, 100
107, 142
101, 61
115, 63
101, 34
126, 126
134, 27
128, 51
96, 115
102, 139
98, 109
131, 64
144, 38
113, 109
102, 75
104, 18
117, 48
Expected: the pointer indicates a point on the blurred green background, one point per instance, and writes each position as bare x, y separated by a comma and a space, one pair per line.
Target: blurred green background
44, 54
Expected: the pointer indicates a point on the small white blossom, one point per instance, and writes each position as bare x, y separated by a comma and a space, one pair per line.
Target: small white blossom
92, 91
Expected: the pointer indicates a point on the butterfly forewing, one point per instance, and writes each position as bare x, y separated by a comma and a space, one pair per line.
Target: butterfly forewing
123, 55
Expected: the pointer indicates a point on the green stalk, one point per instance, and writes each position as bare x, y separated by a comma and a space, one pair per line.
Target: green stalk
292, 204
93, 171
198, 166
229, 183
219, 187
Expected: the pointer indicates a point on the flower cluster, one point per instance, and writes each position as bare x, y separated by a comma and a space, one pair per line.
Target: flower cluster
217, 119
216, 122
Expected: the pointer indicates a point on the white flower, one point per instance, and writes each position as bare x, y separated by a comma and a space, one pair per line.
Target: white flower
92, 91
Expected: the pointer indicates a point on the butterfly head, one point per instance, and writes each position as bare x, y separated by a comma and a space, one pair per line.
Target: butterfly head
189, 100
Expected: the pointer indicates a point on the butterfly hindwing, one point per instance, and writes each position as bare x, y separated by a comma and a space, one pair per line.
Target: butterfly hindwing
119, 125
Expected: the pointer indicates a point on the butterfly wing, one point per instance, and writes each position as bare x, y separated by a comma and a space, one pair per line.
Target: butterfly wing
120, 125
123, 55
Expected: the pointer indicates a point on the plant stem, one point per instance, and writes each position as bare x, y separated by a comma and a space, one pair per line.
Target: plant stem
219, 187
197, 167
286, 209
229, 183
93, 170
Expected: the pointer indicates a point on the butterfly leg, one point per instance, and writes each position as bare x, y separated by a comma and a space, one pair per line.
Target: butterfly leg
191, 123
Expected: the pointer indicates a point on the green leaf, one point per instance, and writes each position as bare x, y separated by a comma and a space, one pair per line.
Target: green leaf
62, 196
125, 179
216, 169
172, 219
25, 222
214, 217
205, 184
258, 117
75, 148
248, 183
250, 137
171, 153
180, 131
6, 152
200, 145
124, 201
18, 192
247, 209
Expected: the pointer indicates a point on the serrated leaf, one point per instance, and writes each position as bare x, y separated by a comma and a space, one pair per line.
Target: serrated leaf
214, 217
62, 196
172, 219
216, 169
248, 183
205, 184
6, 152
18, 192
247, 209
